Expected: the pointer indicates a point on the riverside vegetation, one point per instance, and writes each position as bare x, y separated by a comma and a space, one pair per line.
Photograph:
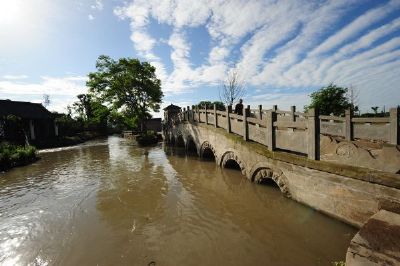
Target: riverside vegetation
13, 155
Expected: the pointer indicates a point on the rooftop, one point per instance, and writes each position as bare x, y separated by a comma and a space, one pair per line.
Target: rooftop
25, 110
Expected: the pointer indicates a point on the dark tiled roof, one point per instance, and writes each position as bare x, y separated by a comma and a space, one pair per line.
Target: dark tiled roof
24, 110
171, 106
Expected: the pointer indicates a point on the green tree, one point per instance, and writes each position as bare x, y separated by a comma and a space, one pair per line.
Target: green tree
128, 85
83, 107
90, 111
210, 105
330, 99
201, 104
375, 109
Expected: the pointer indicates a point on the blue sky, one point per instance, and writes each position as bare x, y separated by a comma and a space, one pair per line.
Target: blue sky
282, 50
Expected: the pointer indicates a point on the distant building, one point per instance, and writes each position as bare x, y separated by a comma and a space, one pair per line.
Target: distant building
153, 124
25, 119
170, 112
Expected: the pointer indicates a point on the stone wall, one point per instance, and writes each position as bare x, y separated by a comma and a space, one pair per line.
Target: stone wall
377, 243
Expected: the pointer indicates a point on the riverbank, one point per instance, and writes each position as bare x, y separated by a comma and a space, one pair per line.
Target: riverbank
12, 156
64, 141
16, 155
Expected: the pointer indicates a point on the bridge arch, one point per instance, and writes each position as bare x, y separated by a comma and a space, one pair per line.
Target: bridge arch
207, 151
263, 174
171, 139
190, 145
228, 157
179, 141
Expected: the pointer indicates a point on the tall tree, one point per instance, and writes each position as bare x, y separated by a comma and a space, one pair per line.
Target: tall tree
83, 106
130, 86
219, 105
375, 109
329, 100
232, 89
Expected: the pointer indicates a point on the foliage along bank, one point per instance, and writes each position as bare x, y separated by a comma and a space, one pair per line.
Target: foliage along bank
13, 155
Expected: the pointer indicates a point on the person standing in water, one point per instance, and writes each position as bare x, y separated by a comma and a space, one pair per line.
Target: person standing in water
239, 107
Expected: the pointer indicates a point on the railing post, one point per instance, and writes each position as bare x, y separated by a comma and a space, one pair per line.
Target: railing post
348, 124
246, 114
215, 116
205, 109
271, 118
292, 114
228, 119
184, 114
394, 126
188, 113
193, 113
199, 114
260, 112
313, 150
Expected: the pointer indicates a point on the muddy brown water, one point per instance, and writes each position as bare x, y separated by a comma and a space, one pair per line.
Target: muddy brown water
109, 202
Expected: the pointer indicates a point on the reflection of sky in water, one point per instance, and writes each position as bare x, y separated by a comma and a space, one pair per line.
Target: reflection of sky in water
14, 232
121, 154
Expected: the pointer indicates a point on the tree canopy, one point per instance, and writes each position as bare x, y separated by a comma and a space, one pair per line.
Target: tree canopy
210, 105
330, 100
128, 86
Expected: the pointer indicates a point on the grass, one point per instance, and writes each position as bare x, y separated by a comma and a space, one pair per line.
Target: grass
13, 155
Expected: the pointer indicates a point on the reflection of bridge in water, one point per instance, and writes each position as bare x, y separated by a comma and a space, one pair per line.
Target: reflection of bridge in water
313, 159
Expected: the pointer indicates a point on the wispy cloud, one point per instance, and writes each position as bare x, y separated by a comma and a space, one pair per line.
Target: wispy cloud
98, 5
15, 77
67, 86
281, 44
62, 90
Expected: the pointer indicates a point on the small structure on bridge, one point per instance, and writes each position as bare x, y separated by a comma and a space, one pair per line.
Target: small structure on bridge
33, 119
171, 112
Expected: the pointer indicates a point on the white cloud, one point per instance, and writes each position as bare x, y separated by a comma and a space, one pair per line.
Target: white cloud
62, 91
15, 77
289, 44
355, 27
98, 5
90, 17
68, 86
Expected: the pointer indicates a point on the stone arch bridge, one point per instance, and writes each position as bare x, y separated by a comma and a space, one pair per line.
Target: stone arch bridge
321, 161
348, 193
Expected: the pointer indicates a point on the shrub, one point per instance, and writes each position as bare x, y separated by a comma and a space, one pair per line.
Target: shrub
12, 155
147, 138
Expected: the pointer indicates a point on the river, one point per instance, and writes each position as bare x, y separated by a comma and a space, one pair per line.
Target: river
109, 202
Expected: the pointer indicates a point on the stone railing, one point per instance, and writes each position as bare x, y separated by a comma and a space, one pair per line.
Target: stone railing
295, 131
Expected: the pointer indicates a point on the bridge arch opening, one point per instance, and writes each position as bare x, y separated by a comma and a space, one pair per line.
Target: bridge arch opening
208, 154
230, 160
180, 142
273, 178
232, 164
268, 181
172, 140
191, 146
